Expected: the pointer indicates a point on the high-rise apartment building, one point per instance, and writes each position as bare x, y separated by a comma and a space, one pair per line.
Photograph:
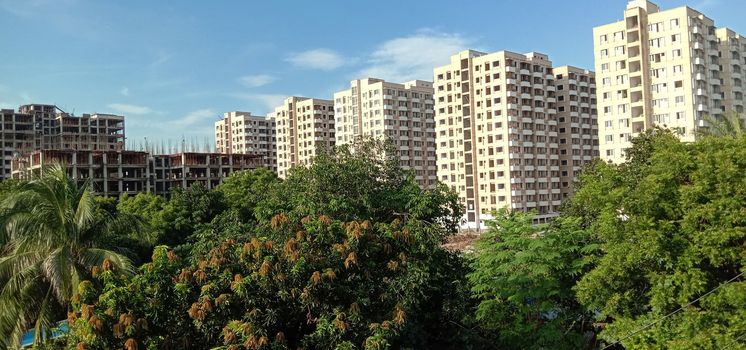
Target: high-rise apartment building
305, 126
663, 68
243, 133
402, 113
577, 123
497, 134
46, 127
732, 47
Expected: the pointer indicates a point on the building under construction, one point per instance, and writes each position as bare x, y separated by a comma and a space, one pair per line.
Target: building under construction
113, 173
37, 127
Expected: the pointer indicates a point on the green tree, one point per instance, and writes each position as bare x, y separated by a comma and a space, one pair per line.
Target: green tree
523, 274
330, 284
730, 125
53, 238
361, 181
245, 190
672, 226
186, 211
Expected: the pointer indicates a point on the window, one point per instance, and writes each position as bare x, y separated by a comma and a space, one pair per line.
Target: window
674, 23
603, 38
655, 27
609, 152
658, 73
619, 35
604, 67
662, 87
619, 50
660, 118
606, 96
679, 100
606, 82
680, 115
607, 110
624, 123
675, 38
604, 52
676, 53
660, 103
657, 42
609, 138
677, 69
608, 124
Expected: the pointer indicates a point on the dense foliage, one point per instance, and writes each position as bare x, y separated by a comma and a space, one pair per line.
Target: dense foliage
53, 235
347, 254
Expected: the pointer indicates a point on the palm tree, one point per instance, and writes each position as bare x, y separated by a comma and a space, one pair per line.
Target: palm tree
51, 236
731, 125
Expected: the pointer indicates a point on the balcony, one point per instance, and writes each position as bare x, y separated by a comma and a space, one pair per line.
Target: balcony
511, 69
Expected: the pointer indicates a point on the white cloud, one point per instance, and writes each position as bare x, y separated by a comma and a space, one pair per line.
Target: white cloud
125, 91
160, 58
253, 81
194, 117
129, 109
268, 101
413, 57
322, 59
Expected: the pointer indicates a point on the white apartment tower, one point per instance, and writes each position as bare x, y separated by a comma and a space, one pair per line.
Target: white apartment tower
663, 68
305, 126
243, 133
497, 139
402, 113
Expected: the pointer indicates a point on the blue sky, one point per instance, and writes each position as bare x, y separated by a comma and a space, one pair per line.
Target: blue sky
173, 67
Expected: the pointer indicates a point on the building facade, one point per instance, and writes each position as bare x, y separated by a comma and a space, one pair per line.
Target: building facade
402, 113
243, 133
663, 68
46, 127
732, 48
305, 126
497, 134
113, 173
577, 123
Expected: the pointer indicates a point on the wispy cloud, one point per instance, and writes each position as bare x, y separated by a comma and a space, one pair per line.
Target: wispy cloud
194, 118
25, 97
160, 58
322, 59
253, 81
268, 101
130, 109
125, 91
414, 56
705, 4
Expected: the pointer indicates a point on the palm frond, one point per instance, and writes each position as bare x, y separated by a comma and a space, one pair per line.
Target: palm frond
95, 257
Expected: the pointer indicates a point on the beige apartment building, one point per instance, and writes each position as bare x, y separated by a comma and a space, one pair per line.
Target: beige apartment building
46, 127
663, 68
497, 134
243, 133
732, 47
305, 126
402, 113
577, 123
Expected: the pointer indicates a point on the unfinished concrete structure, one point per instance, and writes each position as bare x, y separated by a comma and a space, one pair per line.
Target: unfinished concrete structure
113, 173
37, 127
